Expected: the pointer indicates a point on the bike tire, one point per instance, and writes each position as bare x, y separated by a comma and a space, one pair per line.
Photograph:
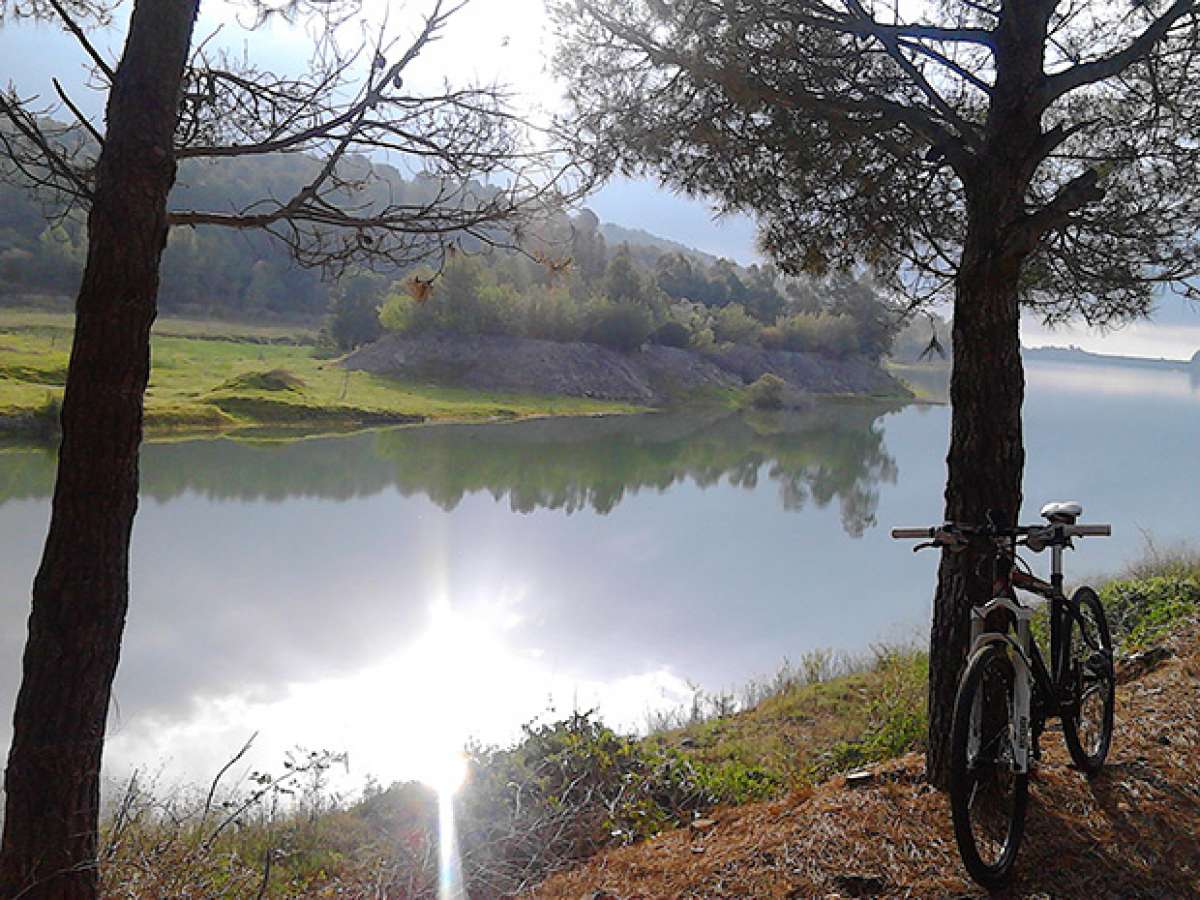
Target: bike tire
1088, 725
977, 787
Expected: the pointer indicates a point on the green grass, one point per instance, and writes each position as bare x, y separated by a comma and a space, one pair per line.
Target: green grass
1146, 600
209, 375
812, 721
831, 715
928, 381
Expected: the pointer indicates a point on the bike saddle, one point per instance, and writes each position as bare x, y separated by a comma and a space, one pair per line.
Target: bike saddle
1062, 511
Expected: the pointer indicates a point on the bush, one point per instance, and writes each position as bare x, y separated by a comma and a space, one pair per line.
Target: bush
767, 392
772, 337
466, 299
398, 314
549, 314
829, 335
354, 320
671, 334
731, 324
572, 787
618, 326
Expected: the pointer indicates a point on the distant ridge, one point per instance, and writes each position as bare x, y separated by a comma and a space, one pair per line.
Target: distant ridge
638, 237
1079, 355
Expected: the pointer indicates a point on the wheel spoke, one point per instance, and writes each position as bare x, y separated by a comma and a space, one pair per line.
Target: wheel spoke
1088, 726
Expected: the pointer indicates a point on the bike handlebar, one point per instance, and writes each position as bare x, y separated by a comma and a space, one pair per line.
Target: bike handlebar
1090, 530
907, 533
951, 533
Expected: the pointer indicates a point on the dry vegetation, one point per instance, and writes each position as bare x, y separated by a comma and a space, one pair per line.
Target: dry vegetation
1132, 832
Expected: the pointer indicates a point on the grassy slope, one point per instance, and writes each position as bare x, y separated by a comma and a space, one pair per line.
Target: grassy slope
199, 380
806, 729
1131, 832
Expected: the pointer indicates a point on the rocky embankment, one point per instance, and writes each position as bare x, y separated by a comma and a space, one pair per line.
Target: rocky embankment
652, 376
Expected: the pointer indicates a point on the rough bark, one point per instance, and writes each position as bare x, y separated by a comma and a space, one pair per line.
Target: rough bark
985, 465
986, 461
80, 593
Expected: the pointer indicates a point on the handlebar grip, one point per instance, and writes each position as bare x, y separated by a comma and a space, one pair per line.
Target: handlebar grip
1092, 530
901, 534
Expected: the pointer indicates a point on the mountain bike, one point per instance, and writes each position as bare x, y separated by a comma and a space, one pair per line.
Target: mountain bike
1007, 694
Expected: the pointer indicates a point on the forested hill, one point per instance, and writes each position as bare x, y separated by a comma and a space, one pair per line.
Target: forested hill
217, 271
621, 285
207, 270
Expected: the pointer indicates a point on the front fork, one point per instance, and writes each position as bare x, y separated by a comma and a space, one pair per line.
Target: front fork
1019, 725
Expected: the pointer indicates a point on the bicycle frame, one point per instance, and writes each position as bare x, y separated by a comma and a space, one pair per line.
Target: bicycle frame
1032, 673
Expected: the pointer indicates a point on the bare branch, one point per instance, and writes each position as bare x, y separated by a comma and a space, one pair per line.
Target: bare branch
42, 160
351, 205
73, 27
79, 116
966, 75
865, 26
1137, 50
891, 43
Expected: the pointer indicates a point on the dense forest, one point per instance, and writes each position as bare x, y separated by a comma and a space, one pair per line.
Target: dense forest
566, 282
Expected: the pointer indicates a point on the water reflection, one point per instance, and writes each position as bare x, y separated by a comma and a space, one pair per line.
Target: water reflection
289, 588
833, 452
286, 587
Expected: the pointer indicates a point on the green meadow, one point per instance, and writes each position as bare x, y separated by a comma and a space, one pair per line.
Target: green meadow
220, 375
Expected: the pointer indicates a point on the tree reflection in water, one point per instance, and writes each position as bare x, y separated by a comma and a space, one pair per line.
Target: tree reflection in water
834, 451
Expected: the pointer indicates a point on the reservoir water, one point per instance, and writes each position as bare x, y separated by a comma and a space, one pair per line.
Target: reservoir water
394, 593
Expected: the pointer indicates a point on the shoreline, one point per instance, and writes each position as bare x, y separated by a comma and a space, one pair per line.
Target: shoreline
212, 379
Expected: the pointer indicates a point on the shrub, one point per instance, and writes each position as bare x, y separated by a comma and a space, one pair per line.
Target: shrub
549, 314
829, 335
353, 320
731, 324
398, 313
671, 334
466, 299
767, 392
619, 326
772, 337
571, 787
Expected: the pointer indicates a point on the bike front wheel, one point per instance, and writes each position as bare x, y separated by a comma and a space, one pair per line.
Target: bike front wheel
1088, 724
987, 797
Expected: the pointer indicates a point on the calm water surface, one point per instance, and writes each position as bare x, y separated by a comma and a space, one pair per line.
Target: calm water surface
394, 593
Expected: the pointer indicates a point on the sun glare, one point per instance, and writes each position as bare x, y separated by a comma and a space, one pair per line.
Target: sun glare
445, 772
443, 766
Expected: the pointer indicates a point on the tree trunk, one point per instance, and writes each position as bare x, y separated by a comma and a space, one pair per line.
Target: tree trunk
80, 594
985, 463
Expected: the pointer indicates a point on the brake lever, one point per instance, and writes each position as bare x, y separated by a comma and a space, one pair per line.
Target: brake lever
922, 546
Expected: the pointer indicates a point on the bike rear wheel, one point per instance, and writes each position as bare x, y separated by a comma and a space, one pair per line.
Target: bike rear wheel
987, 797
1088, 725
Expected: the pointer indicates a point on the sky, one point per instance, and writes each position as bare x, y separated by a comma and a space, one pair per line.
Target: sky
509, 40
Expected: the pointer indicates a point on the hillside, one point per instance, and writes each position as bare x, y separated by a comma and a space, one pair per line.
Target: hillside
1130, 833
652, 376
638, 237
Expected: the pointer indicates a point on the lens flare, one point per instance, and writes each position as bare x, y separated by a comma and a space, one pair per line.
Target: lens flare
450, 880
